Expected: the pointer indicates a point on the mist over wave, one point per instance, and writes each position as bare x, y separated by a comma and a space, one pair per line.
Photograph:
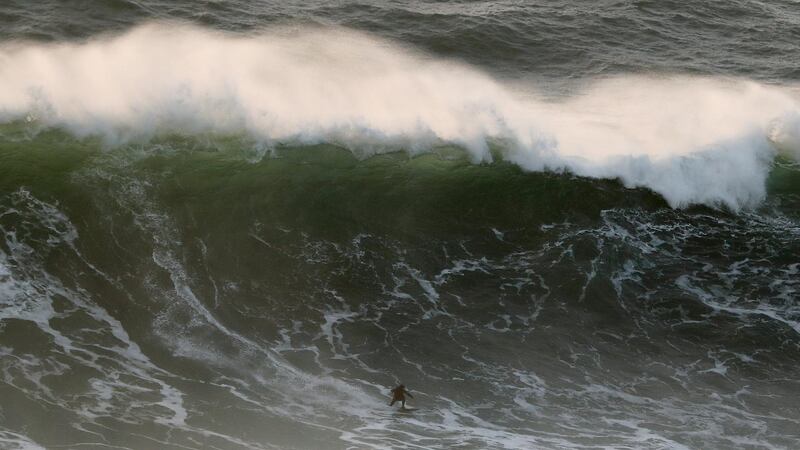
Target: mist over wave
691, 139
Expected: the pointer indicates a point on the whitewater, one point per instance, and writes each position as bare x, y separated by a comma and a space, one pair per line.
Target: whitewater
238, 225
694, 140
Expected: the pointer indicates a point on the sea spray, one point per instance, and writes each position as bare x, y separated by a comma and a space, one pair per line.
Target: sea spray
691, 139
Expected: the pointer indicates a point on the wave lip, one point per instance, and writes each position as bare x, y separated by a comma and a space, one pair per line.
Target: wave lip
692, 140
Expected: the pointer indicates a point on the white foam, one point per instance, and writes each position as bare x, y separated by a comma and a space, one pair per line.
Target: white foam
10, 440
693, 140
27, 292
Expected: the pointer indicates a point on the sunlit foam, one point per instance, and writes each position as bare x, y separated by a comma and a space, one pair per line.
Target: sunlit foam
693, 140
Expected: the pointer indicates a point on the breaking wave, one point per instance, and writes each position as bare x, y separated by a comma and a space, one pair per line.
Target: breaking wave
692, 140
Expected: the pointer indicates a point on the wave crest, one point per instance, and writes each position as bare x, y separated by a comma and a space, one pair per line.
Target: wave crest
693, 140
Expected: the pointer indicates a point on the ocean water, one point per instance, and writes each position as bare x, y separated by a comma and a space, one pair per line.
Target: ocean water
238, 224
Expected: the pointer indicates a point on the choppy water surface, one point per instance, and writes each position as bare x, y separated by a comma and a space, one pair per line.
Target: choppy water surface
237, 225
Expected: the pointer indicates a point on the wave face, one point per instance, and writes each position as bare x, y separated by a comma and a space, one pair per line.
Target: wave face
238, 225
692, 140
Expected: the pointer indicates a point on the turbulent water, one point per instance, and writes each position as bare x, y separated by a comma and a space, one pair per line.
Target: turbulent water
237, 225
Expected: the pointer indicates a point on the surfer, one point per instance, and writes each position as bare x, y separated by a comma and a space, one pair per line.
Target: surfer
399, 395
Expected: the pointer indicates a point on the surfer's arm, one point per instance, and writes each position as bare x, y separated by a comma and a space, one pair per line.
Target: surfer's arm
409, 394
